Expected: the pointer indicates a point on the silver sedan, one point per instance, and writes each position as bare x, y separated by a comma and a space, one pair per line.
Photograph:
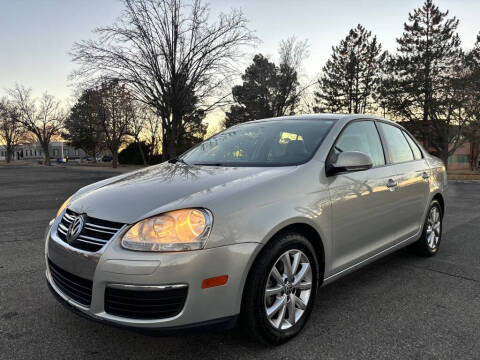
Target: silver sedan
247, 225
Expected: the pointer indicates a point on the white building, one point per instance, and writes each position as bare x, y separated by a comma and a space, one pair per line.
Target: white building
16, 153
34, 152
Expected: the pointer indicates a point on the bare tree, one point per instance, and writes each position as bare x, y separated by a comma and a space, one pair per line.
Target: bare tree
117, 115
44, 117
11, 132
293, 52
169, 54
153, 131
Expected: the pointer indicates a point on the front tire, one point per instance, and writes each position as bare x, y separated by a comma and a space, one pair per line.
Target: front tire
429, 242
280, 289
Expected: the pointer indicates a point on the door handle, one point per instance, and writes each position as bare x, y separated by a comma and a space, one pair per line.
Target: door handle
391, 184
425, 176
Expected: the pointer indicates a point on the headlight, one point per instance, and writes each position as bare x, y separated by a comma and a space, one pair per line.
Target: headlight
178, 230
64, 205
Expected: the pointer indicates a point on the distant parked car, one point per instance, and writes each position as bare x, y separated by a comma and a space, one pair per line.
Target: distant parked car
249, 223
107, 158
74, 159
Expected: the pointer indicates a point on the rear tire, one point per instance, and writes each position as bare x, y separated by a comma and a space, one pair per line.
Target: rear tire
280, 290
429, 242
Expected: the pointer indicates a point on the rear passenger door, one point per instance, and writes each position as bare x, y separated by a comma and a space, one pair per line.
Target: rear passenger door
412, 177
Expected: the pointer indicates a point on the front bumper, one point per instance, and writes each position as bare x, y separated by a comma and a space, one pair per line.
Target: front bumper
225, 323
114, 265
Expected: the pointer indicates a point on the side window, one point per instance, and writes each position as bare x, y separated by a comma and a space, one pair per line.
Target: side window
416, 150
360, 136
399, 149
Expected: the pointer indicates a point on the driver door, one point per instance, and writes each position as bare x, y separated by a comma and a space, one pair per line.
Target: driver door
363, 202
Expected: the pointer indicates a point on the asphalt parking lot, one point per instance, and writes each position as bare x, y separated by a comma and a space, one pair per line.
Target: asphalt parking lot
401, 307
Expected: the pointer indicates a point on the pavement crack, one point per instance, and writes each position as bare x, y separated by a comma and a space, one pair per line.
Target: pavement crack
14, 241
446, 273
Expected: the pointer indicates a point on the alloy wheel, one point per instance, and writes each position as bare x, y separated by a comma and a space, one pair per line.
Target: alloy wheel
288, 289
434, 228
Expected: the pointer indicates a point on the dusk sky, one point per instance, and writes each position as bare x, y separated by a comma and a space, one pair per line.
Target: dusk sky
36, 35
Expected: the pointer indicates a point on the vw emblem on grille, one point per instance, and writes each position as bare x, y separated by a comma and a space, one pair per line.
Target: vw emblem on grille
75, 228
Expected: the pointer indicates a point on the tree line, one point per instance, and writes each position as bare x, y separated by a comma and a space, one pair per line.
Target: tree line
151, 77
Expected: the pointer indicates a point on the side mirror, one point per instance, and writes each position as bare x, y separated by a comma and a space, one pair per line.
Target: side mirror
350, 161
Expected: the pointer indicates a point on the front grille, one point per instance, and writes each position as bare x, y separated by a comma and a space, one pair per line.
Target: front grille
145, 304
95, 234
75, 287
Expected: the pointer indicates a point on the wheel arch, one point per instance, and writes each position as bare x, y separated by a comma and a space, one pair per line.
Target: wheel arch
439, 197
315, 239
303, 228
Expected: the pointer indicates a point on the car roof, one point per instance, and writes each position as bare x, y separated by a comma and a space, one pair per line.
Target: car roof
335, 117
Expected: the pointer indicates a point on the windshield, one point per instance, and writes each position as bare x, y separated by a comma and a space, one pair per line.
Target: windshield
266, 143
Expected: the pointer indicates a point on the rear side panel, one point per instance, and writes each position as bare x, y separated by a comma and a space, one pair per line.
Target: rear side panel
413, 188
438, 175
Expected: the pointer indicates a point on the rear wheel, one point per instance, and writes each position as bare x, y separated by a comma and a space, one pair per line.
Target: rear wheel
429, 242
281, 288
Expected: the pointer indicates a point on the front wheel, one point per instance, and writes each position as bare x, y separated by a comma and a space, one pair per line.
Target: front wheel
429, 242
280, 289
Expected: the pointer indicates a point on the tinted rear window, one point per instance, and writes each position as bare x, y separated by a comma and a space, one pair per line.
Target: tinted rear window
416, 150
399, 149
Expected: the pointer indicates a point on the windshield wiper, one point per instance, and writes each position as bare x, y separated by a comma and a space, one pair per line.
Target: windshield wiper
177, 160
209, 164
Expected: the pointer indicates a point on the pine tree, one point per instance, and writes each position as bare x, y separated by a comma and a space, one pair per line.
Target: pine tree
424, 83
476, 51
352, 74
267, 91
473, 105
83, 126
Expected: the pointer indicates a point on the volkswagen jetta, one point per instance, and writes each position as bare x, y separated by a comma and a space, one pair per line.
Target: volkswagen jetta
248, 224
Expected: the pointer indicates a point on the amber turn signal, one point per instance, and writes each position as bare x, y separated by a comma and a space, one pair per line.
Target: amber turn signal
214, 281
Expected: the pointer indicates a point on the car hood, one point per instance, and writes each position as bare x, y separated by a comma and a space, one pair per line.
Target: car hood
130, 197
